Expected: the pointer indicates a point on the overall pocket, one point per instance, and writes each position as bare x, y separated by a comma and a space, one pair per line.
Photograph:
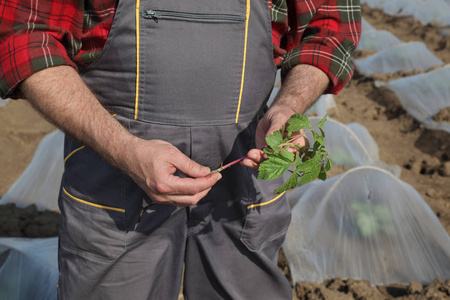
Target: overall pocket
191, 62
267, 220
93, 205
90, 231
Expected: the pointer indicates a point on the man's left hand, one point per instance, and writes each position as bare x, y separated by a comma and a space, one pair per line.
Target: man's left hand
301, 87
273, 120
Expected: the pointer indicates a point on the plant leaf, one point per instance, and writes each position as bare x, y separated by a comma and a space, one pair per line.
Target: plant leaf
321, 122
309, 175
267, 150
274, 139
312, 164
273, 167
328, 164
309, 170
367, 224
289, 155
322, 174
318, 140
297, 122
322, 132
308, 162
381, 213
359, 207
289, 184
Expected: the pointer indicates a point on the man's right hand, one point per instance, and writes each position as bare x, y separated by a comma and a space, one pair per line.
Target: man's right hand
62, 97
152, 165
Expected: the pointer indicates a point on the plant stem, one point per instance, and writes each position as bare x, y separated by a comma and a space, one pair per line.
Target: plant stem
296, 137
287, 143
228, 165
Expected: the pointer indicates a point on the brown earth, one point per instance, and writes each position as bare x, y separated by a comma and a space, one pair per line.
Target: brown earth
443, 115
423, 154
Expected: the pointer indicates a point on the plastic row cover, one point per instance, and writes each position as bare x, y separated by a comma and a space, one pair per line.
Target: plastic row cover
435, 12
351, 145
374, 3
377, 40
366, 26
401, 7
40, 182
321, 106
404, 57
424, 95
365, 224
28, 268
395, 7
3, 102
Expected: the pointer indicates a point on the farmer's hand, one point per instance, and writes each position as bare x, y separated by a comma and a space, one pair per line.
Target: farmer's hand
301, 87
152, 166
61, 95
273, 120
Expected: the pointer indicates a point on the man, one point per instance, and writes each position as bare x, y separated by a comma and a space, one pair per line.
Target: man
178, 88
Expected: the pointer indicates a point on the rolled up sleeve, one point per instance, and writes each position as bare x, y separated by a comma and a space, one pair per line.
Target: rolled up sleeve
324, 34
34, 37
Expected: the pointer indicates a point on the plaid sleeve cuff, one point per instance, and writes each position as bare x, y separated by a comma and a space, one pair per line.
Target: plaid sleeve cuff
326, 52
23, 55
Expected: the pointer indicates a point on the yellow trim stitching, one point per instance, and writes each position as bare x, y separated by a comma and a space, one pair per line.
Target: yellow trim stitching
136, 101
93, 204
247, 17
265, 203
72, 153
78, 149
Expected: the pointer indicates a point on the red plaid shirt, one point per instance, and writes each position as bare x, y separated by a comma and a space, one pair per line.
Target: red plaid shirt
35, 35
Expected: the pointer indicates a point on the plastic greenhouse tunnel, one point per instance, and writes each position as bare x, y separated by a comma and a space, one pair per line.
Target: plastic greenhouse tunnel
365, 224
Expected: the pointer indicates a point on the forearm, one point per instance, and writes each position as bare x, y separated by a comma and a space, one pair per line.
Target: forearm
301, 88
61, 96
324, 34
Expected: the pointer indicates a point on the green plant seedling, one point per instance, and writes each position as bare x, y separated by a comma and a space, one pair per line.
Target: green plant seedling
305, 163
372, 218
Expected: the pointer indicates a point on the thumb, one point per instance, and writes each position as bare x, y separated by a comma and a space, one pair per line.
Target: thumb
265, 129
190, 167
274, 126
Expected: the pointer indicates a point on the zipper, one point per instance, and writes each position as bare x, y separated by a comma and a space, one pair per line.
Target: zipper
158, 14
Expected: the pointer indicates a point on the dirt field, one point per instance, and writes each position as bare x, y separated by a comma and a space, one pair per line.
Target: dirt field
423, 154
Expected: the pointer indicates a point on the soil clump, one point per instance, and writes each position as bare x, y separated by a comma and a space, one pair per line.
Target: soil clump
423, 155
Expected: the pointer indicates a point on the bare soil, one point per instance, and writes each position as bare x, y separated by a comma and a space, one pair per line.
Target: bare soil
443, 115
423, 154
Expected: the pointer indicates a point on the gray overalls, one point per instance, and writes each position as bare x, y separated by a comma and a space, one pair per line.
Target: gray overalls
196, 74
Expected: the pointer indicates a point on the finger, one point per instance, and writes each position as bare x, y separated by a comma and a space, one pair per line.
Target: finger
250, 164
175, 185
181, 200
188, 166
254, 158
256, 155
